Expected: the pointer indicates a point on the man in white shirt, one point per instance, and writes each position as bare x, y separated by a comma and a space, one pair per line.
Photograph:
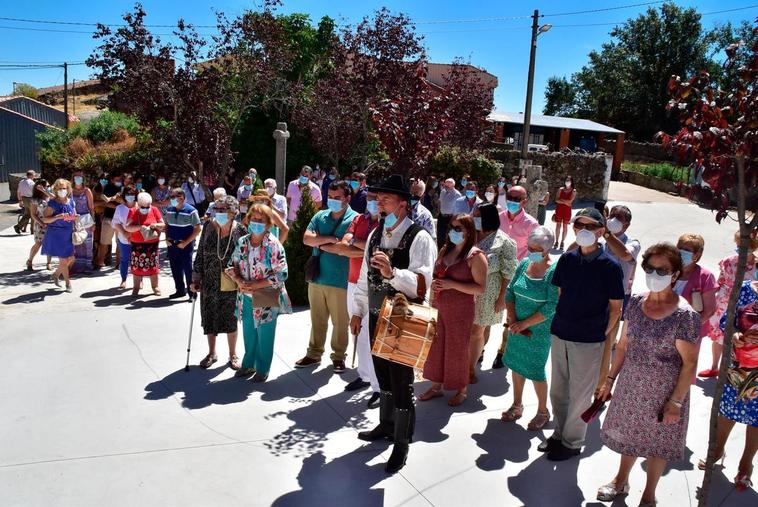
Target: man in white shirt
278, 200
409, 272
469, 200
24, 196
448, 195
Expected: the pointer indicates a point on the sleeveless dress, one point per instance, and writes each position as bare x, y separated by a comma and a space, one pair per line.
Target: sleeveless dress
57, 242
448, 359
83, 252
563, 211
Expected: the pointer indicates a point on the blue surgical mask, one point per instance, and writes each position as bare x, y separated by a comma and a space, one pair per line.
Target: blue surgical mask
78, 180
435, 184
118, 184
686, 257
414, 202
478, 223
103, 182
129, 198
390, 221
256, 228
138, 186
536, 257
174, 202
354, 185
513, 207
470, 194
248, 187
500, 184
144, 211
372, 207
334, 205
221, 219
464, 182
456, 237
303, 180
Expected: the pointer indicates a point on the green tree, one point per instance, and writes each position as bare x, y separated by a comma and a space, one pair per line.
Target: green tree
560, 97
298, 252
25, 90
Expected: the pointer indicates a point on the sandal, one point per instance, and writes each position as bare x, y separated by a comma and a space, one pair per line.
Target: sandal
611, 491
29, 266
135, 291
234, 363
742, 481
208, 361
458, 399
513, 413
429, 394
540, 420
156, 291
702, 464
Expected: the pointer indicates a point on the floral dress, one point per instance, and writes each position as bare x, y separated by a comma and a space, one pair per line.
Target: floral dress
39, 230
727, 272
265, 262
501, 263
739, 401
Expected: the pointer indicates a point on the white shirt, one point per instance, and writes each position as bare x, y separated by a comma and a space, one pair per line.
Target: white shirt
119, 217
447, 200
423, 255
26, 187
280, 203
196, 190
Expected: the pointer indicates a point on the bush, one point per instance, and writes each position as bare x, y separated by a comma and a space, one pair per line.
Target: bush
25, 90
663, 170
298, 252
454, 163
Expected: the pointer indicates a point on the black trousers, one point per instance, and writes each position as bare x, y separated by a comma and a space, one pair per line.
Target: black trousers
443, 222
393, 377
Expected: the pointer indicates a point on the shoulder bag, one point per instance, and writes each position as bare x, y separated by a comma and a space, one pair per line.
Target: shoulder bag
312, 268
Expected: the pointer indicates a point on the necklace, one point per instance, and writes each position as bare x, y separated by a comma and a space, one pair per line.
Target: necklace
218, 242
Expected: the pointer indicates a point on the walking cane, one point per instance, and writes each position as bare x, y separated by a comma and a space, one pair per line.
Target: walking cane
189, 341
355, 349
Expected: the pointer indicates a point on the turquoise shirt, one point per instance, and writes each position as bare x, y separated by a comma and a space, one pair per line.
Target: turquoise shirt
333, 269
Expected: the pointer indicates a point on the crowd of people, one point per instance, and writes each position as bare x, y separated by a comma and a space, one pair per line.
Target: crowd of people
475, 254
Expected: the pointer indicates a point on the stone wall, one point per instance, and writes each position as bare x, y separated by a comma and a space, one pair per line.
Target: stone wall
588, 171
640, 152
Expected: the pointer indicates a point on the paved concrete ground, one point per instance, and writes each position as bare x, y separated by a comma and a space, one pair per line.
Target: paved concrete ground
96, 409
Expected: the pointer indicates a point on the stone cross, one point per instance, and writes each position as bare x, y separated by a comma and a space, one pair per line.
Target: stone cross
535, 187
281, 135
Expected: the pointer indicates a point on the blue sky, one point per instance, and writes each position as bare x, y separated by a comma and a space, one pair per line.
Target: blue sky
501, 47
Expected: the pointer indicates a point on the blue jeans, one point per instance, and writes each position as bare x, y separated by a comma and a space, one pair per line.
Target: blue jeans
126, 257
259, 340
180, 260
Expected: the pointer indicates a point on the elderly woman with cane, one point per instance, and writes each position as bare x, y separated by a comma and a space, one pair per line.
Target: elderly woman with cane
218, 299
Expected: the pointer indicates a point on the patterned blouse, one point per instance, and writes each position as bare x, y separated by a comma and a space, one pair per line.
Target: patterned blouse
266, 262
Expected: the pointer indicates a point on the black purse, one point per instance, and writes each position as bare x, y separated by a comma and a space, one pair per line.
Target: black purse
312, 266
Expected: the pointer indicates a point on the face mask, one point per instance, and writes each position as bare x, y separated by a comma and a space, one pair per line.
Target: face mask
372, 207
78, 180
248, 187
174, 202
686, 257
161, 181
129, 198
500, 184
144, 211
253, 176
414, 202
303, 180
221, 219
49, 190
478, 223
190, 181
354, 185
656, 282
536, 257
489, 195
614, 225
513, 207
118, 184
585, 238
62, 193
334, 205
567, 183
138, 186
270, 190
256, 228
464, 182
390, 221
435, 184
103, 182
470, 194
456, 237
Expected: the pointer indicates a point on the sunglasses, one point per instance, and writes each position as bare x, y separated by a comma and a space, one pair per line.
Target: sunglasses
457, 228
659, 271
590, 227
145, 208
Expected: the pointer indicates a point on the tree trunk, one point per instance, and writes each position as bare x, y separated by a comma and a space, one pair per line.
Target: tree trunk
726, 356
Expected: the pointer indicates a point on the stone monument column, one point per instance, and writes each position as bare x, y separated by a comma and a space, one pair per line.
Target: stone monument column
535, 187
281, 135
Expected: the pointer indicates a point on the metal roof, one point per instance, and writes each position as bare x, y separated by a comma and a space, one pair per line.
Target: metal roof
556, 122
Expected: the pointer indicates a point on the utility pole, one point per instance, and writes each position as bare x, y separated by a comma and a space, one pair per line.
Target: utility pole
530, 86
65, 91
73, 95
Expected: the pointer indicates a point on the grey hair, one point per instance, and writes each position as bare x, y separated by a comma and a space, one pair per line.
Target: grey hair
420, 184
229, 202
144, 199
219, 192
270, 182
541, 236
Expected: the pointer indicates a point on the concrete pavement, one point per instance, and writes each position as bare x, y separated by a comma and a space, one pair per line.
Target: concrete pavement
97, 409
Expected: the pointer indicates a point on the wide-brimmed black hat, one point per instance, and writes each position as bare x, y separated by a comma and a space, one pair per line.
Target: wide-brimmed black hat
395, 184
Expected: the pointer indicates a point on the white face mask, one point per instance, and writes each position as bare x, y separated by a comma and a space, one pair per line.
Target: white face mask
62, 193
585, 238
614, 225
656, 282
270, 190
489, 195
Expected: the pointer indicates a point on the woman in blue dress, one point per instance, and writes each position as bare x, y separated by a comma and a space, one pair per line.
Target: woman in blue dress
60, 215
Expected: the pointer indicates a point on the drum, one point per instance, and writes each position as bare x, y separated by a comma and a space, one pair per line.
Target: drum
404, 332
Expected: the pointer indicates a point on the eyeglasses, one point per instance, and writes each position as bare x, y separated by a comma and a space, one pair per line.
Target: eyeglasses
659, 271
584, 225
514, 198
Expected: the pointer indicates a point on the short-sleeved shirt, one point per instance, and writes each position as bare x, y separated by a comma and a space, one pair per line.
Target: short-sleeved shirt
120, 217
587, 283
333, 269
293, 192
280, 203
423, 217
448, 196
358, 201
462, 205
518, 229
26, 187
181, 222
700, 280
110, 190
136, 218
628, 267
360, 228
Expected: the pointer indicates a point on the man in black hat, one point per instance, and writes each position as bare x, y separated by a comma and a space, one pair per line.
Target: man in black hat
399, 257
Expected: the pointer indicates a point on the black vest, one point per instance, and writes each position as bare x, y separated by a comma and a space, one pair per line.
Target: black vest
378, 286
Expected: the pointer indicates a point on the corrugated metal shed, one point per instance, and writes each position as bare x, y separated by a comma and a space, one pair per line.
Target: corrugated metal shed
35, 110
556, 122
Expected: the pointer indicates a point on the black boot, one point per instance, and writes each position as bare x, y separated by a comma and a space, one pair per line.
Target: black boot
386, 425
402, 438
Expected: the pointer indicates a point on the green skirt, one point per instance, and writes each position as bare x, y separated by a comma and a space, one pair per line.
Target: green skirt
527, 355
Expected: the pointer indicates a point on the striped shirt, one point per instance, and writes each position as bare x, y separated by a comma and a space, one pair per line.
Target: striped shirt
180, 222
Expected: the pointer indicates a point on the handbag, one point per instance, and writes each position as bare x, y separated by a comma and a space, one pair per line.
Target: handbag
85, 221
267, 297
312, 266
78, 237
228, 284
747, 318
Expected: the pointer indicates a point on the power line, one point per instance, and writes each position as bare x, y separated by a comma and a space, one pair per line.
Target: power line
80, 23
604, 9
